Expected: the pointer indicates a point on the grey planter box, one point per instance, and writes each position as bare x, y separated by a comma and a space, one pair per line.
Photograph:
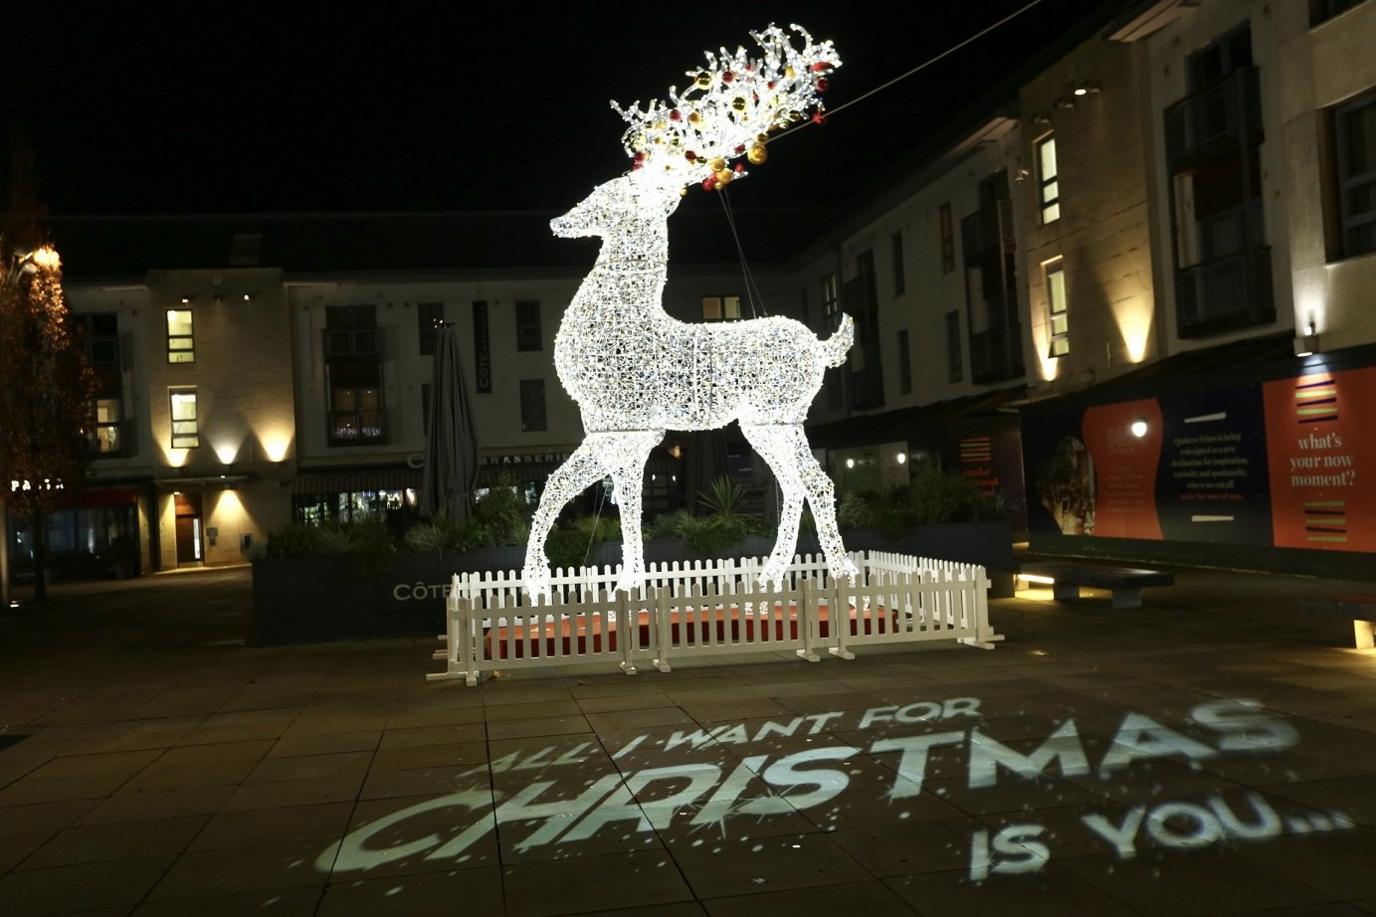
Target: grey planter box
318, 599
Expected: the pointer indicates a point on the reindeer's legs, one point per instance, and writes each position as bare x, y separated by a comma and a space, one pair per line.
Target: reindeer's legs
772, 443
625, 457
821, 496
579, 471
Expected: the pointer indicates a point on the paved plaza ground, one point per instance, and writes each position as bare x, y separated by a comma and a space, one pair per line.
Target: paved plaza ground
1098, 762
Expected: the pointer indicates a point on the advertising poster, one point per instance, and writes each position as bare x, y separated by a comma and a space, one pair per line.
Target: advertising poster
988, 453
1212, 484
1059, 472
1321, 442
1124, 467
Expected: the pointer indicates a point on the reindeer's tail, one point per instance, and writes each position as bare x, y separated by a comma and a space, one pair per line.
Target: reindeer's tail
835, 348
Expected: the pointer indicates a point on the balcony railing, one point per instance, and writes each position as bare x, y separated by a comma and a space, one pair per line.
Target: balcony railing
1221, 118
988, 231
1227, 292
353, 343
354, 428
996, 354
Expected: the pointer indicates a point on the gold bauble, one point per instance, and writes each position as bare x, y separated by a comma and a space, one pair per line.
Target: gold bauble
724, 177
762, 137
790, 72
694, 118
757, 155
738, 103
717, 164
683, 192
704, 80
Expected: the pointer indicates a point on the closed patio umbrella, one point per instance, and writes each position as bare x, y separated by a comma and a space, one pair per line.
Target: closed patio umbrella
451, 450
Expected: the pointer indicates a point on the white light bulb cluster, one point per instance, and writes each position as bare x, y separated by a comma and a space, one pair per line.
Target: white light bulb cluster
634, 371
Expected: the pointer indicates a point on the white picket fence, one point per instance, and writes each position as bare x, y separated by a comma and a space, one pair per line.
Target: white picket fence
716, 607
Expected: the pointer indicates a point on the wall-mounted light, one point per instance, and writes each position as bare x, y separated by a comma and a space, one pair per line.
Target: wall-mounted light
850, 463
248, 297
1138, 428
1065, 102
1088, 87
186, 300
1307, 345
1041, 117
901, 458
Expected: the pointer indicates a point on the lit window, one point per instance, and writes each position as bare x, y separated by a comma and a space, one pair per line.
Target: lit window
1048, 187
186, 431
181, 344
105, 432
1056, 305
721, 308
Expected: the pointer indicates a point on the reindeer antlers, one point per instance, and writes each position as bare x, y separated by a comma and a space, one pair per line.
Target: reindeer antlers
728, 109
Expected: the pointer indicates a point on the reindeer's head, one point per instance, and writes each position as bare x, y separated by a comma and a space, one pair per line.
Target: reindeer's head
727, 110
615, 205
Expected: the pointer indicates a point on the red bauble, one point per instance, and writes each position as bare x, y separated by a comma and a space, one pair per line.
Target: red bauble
728, 76
823, 85
740, 167
690, 156
709, 183
741, 148
820, 66
675, 115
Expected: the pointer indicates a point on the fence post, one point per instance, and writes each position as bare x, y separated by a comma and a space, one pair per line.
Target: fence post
984, 637
663, 611
807, 622
838, 617
627, 633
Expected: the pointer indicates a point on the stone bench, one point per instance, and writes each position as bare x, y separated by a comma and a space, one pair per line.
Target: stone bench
1126, 583
1359, 608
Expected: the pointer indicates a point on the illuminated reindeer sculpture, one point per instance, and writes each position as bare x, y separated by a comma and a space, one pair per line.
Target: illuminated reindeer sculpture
635, 371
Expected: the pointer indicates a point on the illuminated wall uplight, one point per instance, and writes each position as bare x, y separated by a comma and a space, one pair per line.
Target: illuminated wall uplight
1139, 428
276, 443
226, 452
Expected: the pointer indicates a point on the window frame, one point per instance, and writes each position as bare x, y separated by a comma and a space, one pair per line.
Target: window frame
190, 337
1045, 203
896, 251
905, 363
527, 423
955, 356
1058, 341
831, 295
1344, 182
948, 238
527, 309
179, 440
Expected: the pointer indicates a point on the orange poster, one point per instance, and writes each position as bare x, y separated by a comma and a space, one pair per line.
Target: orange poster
1321, 448
1124, 441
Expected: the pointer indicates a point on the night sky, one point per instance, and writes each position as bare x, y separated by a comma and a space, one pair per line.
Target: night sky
218, 108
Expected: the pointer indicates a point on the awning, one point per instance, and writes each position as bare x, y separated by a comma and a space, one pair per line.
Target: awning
908, 423
355, 480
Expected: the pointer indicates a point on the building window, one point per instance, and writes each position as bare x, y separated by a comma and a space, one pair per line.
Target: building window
955, 366
1056, 306
831, 295
528, 336
721, 308
181, 342
1323, 10
428, 317
186, 430
948, 239
1355, 126
532, 405
905, 364
105, 431
1048, 186
898, 279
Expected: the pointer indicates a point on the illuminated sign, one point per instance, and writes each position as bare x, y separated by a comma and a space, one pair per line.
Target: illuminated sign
724, 780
